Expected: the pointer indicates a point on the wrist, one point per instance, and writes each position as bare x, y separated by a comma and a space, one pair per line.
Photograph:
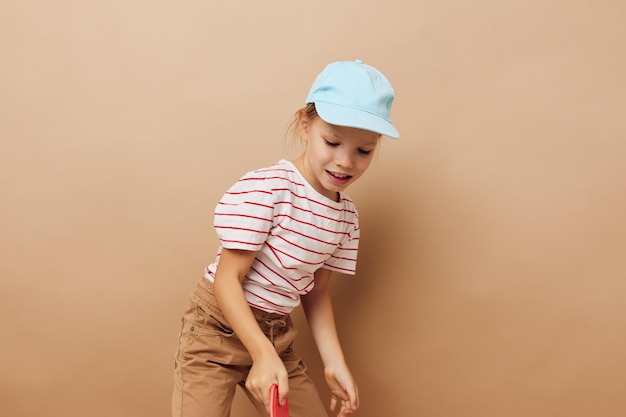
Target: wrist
262, 350
331, 354
334, 364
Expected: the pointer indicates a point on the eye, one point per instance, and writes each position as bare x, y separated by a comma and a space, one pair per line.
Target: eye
364, 152
331, 144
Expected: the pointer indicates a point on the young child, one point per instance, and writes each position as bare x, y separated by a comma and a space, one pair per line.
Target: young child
283, 230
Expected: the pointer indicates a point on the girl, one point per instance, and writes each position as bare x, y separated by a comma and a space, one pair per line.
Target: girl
283, 230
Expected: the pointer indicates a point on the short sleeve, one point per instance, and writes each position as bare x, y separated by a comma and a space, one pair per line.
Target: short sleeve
244, 215
343, 259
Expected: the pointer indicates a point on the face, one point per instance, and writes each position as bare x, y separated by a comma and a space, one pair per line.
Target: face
335, 156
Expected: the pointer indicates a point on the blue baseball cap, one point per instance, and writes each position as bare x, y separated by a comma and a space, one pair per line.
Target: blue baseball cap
353, 94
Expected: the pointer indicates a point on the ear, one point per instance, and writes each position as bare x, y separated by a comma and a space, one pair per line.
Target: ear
304, 125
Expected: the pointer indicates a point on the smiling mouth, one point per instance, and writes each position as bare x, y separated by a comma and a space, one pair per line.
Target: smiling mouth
339, 177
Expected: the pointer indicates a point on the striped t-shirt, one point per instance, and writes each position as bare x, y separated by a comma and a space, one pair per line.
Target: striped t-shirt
295, 229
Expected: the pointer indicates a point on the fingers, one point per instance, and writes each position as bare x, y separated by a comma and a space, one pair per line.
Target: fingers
347, 396
264, 396
345, 409
283, 389
265, 373
353, 395
333, 403
258, 393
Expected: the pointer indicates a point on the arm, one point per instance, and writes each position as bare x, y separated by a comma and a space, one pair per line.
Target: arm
267, 367
319, 313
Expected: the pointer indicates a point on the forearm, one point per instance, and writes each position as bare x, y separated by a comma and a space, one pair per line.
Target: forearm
319, 313
318, 309
267, 367
230, 297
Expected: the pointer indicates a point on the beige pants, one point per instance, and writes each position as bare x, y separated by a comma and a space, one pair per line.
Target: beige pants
211, 361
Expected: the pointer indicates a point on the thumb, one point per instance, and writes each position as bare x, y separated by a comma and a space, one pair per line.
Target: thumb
283, 390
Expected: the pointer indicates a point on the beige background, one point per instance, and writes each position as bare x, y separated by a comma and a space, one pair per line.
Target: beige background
491, 276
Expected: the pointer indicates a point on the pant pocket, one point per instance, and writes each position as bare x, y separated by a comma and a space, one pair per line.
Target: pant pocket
206, 337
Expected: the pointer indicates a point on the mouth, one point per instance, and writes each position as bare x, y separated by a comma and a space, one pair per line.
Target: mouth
338, 178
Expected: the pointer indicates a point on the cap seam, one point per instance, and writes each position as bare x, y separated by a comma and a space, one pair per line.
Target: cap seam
353, 107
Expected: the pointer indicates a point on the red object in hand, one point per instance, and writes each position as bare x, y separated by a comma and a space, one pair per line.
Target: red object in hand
277, 410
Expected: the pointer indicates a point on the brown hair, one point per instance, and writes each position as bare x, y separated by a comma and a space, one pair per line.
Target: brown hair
293, 130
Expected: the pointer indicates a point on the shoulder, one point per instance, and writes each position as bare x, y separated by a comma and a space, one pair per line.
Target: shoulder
280, 174
279, 181
348, 205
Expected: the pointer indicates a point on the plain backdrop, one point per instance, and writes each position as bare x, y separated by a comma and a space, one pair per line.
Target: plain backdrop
491, 275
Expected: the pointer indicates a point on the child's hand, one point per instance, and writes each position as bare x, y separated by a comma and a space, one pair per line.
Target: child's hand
342, 388
265, 372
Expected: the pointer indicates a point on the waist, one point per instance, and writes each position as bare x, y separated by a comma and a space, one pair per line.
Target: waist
205, 296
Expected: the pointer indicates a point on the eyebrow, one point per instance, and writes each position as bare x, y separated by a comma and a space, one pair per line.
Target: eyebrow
372, 143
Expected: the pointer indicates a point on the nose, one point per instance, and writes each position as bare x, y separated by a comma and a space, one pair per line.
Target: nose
344, 159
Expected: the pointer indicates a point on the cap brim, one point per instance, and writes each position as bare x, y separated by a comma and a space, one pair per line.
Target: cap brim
351, 117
